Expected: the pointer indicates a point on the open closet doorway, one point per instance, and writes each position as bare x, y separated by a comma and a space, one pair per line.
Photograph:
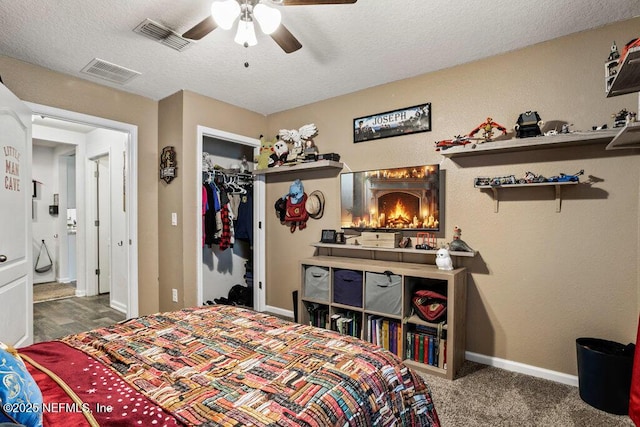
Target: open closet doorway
110, 147
220, 268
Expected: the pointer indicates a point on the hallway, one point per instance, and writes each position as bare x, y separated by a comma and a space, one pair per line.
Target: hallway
57, 318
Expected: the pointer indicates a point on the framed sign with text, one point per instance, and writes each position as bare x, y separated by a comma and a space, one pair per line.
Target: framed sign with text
393, 123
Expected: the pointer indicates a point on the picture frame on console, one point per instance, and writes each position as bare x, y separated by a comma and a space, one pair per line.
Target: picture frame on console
404, 121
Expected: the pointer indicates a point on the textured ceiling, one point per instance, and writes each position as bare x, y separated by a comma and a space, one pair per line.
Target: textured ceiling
345, 47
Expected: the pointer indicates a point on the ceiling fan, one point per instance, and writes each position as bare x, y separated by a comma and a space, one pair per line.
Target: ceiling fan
225, 12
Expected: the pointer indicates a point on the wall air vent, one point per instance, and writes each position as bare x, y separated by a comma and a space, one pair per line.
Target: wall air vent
108, 71
162, 34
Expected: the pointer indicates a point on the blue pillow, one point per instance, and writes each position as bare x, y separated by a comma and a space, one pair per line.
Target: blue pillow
19, 394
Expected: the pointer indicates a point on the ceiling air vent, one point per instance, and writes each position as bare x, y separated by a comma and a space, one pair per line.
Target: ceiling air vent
108, 71
162, 34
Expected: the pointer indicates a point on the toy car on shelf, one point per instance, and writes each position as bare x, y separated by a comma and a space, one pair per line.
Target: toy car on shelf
566, 178
502, 180
531, 178
482, 181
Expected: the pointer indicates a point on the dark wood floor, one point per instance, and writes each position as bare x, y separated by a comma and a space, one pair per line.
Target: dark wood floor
55, 319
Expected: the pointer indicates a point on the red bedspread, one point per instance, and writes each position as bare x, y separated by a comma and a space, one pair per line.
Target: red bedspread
110, 400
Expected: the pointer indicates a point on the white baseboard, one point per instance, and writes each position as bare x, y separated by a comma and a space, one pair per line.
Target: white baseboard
279, 311
521, 368
81, 293
64, 280
118, 306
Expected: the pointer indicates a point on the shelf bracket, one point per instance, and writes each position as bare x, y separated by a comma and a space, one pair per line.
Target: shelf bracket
558, 198
494, 190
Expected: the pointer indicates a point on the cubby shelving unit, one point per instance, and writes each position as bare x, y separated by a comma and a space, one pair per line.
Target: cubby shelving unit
321, 288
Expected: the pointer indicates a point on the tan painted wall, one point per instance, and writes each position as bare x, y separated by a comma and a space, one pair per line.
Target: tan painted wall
541, 279
170, 120
41, 86
179, 254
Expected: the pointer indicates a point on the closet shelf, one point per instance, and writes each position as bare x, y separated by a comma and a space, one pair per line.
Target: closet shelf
297, 167
534, 143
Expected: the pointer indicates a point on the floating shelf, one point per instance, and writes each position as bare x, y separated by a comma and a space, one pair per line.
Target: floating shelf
627, 79
297, 167
557, 185
628, 137
533, 143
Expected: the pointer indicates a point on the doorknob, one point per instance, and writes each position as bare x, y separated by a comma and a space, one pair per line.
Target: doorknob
3, 258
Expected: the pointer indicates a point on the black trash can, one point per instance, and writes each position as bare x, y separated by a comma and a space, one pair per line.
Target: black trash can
604, 374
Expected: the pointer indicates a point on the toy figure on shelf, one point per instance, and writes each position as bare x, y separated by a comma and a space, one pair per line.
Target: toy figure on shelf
487, 129
443, 259
456, 141
280, 154
458, 244
528, 125
623, 118
266, 149
301, 139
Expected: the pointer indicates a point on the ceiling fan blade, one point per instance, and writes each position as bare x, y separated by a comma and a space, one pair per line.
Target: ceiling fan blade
285, 39
201, 29
312, 2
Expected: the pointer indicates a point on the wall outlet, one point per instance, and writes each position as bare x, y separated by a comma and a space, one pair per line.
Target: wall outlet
174, 295
174, 218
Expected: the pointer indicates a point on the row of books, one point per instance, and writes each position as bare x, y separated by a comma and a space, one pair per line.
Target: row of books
427, 347
346, 323
318, 315
385, 333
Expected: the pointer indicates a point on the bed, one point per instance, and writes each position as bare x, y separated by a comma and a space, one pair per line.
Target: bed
223, 366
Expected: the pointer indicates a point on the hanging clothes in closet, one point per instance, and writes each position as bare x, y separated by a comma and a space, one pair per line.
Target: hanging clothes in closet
226, 205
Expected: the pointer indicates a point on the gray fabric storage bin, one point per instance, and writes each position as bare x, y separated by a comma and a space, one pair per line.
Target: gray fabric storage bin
383, 293
316, 282
347, 287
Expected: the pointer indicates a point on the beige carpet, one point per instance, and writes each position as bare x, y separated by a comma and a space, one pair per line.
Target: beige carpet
488, 396
53, 290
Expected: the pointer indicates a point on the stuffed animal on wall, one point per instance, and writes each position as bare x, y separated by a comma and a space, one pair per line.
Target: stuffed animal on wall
266, 149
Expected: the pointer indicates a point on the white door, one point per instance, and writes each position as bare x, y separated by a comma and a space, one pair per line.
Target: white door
16, 276
103, 221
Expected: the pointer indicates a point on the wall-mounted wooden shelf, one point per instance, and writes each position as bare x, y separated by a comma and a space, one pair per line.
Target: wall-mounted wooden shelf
534, 143
298, 167
557, 185
628, 137
627, 79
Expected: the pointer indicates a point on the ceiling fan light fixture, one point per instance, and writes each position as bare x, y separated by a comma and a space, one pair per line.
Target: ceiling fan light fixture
246, 34
225, 13
269, 18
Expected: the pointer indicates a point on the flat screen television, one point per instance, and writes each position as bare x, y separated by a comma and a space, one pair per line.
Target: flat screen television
399, 199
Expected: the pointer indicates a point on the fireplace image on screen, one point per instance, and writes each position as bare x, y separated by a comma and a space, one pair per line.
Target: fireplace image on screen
401, 198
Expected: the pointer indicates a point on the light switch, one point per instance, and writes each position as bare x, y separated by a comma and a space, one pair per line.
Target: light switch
174, 218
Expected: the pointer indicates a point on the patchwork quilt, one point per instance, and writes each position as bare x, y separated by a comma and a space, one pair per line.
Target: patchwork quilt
227, 366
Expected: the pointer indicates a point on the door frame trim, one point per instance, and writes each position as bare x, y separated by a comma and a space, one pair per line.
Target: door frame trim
131, 187
259, 248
